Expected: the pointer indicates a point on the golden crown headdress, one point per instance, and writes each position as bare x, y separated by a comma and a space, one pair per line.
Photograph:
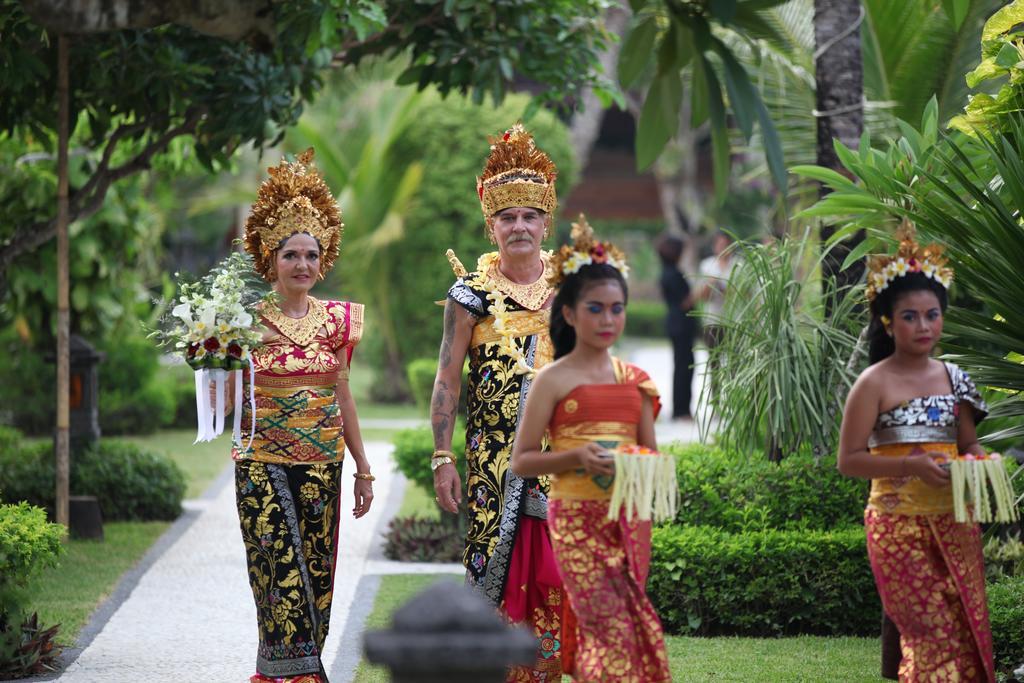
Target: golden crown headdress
517, 174
909, 258
584, 251
293, 199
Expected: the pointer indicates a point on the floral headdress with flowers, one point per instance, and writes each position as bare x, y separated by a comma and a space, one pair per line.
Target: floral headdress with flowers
911, 257
584, 251
293, 199
516, 174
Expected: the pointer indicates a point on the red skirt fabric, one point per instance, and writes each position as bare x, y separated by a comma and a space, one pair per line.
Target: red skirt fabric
533, 595
604, 564
931, 578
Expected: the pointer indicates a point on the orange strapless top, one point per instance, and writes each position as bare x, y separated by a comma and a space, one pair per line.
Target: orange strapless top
606, 413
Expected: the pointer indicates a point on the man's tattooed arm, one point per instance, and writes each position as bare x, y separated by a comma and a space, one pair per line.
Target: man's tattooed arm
458, 329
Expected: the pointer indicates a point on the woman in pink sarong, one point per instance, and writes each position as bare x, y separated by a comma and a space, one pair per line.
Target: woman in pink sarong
904, 416
588, 402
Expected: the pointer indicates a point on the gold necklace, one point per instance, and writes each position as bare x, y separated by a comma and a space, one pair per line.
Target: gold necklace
531, 296
299, 330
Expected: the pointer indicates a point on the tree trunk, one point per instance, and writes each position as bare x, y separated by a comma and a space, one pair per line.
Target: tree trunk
839, 79
586, 123
62, 440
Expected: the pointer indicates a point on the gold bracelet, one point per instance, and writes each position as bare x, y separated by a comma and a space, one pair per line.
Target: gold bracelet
442, 454
365, 476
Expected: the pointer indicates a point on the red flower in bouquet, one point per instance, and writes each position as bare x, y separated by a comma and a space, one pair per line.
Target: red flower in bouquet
211, 344
235, 350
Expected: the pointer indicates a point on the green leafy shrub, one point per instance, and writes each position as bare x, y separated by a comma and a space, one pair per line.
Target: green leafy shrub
26, 648
645, 319
28, 543
130, 483
10, 439
779, 373
1003, 557
32, 411
134, 399
413, 448
421, 373
738, 492
706, 581
1006, 615
414, 539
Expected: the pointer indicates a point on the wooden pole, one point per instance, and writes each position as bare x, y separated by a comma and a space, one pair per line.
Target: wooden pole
62, 441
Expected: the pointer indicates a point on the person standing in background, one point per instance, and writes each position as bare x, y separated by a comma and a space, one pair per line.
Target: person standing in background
679, 325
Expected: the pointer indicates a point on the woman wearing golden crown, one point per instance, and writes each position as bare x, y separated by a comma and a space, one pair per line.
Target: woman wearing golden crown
906, 414
288, 479
497, 316
589, 402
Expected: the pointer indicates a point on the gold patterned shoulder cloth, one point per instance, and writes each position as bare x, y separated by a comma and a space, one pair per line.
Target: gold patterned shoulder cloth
355, 324
302, 330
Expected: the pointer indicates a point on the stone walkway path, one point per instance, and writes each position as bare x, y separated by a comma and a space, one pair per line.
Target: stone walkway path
186, 612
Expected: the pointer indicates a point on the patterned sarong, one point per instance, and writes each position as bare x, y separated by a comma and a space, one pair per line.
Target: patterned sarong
604, 566
931, 577
289, 522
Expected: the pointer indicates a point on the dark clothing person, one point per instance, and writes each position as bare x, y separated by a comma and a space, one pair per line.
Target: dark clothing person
682, 330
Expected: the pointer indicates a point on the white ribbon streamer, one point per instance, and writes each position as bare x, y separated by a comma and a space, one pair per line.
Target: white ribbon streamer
200, 404
252, 402
236, 425
210, 411
219, 391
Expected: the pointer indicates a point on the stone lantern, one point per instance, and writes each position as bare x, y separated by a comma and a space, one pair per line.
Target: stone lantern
85, 519
449, 634
85, 394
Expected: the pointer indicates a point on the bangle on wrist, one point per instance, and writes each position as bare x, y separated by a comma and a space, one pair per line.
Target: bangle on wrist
442, 454
365, 476
438, 461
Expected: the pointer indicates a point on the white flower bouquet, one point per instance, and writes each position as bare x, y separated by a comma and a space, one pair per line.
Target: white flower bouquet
212, 327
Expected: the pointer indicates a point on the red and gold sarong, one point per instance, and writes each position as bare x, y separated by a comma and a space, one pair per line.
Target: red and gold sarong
610, 629
930, 575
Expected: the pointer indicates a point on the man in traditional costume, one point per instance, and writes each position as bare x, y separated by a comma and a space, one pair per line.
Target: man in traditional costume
498, 315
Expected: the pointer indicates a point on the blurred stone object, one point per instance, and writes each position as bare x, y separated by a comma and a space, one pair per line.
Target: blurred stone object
85, 520
449, 634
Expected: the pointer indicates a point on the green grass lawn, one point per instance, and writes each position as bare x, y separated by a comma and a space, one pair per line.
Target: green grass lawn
803, 659
88, 571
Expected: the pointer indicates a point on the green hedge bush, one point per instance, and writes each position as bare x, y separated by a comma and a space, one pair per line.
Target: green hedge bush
645, 319
413, 448
738, 492
421, 373
1006, 615
130, 483
706, 581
